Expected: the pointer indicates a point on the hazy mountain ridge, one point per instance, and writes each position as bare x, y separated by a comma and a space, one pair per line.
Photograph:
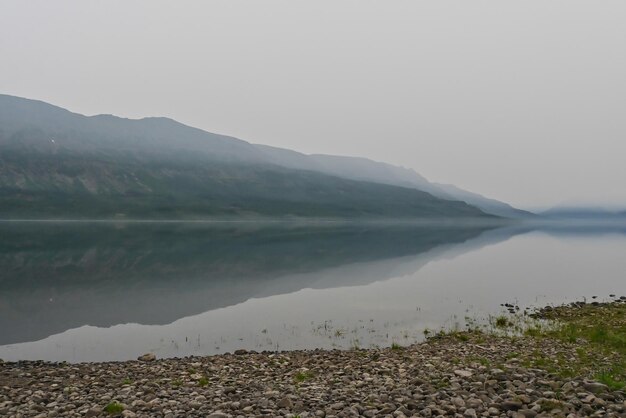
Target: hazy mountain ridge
486, 204
65, 185
584, 212
368, 170
89, 133
349, 167
52, 157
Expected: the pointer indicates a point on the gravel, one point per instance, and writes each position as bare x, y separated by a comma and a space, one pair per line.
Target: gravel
475, 376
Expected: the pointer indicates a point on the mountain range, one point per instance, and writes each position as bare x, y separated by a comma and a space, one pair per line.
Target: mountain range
582, 212
58, 164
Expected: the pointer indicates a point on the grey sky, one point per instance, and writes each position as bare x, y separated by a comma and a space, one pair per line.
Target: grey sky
524, 101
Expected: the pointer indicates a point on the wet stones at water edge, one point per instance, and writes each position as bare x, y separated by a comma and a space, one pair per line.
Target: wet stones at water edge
547, 312
512, 308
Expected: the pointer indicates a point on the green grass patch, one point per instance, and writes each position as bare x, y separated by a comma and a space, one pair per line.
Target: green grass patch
533, 331
114, 408
502, 321
613, 378
548, 405
601, 333
480, 360
303, 376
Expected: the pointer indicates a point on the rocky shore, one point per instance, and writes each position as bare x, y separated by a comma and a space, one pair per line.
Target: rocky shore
459, 374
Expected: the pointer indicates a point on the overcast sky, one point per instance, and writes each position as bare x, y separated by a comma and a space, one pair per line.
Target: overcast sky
523, 101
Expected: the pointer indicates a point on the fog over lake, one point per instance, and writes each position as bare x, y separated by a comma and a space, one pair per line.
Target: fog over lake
112, 291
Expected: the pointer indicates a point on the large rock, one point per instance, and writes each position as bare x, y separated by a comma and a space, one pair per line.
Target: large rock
147, 357
595, 387
511, 405
285, 403
470, 413
463, 373
93, 412
526, 413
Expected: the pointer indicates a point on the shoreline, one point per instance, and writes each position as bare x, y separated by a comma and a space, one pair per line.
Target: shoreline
537, 372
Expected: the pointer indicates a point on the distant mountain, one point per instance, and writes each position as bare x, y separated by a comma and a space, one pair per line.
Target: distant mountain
55, 163
486, 204
595, 213
373, 171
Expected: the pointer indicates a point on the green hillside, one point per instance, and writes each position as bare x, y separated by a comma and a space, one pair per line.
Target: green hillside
57, 164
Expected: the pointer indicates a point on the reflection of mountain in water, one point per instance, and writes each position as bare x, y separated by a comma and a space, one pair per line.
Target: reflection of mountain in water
61, 276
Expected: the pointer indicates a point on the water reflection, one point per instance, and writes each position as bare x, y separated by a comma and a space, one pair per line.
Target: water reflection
90, 292
61, 276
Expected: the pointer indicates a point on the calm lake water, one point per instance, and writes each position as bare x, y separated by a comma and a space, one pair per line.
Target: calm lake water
112, 291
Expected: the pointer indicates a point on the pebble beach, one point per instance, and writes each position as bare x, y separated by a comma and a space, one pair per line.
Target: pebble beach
460, 374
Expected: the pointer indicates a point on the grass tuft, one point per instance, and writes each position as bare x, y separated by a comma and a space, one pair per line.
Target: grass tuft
303, 376
114, 408
502, 321
610, 378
